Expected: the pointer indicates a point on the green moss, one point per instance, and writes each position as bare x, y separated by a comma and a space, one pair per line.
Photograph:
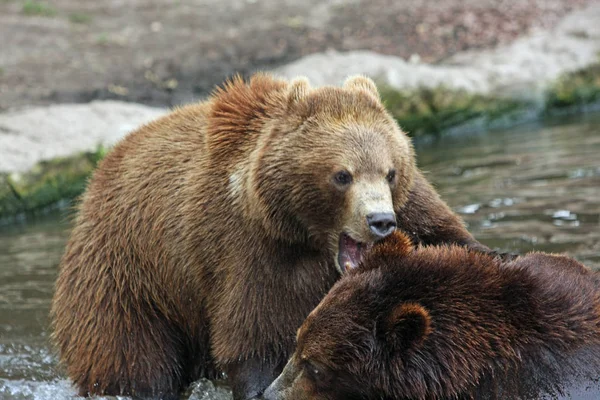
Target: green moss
575, 89
31, 7
433, 111
426, 111
46, 184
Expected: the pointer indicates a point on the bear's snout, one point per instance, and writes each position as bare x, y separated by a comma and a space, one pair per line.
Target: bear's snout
381, 224
372, 215
285, 386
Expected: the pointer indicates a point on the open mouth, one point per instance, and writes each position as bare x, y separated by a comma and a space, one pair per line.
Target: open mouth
351, 252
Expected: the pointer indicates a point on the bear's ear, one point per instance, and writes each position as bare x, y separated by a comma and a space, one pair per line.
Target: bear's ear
396, 245
389, 251
298, 90
362, 82
406, 327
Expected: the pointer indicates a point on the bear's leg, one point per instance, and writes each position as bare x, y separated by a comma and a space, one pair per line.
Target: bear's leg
143, 362
251, 377
120, 345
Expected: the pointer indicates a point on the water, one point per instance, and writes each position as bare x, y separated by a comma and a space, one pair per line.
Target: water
525, 189
529, 188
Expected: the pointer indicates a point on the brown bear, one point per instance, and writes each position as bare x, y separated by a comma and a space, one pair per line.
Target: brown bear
205, 238
443, 322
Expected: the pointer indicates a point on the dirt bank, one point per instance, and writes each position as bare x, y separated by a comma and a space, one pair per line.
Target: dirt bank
165, 52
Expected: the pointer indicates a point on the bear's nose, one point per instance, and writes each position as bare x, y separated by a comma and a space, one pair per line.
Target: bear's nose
382, 224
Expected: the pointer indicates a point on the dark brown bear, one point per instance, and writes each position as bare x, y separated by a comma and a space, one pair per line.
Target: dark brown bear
448, 323
205, 238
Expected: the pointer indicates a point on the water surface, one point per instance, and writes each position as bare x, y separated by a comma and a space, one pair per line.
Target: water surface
532, 188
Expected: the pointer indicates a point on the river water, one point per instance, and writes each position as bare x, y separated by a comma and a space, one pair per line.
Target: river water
534, 187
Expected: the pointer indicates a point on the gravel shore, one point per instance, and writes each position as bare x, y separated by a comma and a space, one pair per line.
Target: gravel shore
161, 52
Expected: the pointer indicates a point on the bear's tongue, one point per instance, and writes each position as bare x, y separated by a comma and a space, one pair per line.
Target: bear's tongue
350, 252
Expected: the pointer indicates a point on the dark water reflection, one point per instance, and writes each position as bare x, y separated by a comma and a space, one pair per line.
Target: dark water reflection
525, 190
519, 190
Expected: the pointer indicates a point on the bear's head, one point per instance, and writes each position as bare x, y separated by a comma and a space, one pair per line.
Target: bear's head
330, 168
354, 344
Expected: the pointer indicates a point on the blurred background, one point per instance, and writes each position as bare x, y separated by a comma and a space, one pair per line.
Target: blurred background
500, 97
167, 52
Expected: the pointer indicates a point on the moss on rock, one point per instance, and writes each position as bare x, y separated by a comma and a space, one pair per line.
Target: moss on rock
575, 89
427, 111
46, 184
434, 111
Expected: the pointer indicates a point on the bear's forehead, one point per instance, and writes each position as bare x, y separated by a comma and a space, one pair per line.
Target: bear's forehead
358, 144
340, 104
342, 314
356, 119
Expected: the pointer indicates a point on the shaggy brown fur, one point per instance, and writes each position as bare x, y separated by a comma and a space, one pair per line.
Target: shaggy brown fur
205, 238
448, 323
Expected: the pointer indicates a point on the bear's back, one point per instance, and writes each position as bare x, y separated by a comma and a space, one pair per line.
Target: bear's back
534, 321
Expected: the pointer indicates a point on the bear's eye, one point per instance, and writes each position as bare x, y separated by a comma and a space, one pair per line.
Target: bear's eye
391, 175
342, 178
314, 371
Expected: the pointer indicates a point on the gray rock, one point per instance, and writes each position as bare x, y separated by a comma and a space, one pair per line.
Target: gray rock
522, 69
204, 389
34, 134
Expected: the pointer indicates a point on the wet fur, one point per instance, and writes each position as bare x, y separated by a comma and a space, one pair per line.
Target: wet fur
191, 252
489, 329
